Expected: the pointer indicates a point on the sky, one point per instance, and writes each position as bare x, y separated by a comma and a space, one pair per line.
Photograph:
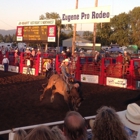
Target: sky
12, 11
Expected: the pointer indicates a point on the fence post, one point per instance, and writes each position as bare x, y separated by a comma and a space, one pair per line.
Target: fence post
21, 63
37, 65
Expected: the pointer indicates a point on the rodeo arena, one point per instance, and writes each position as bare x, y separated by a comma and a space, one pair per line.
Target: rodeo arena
86, 80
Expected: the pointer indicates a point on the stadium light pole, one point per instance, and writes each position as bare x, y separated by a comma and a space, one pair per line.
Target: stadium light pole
94, 29
74, 32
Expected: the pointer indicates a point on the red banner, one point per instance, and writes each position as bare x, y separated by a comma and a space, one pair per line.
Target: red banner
52, 31
19, 31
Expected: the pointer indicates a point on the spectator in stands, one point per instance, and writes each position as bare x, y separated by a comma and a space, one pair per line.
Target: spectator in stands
107, 54
82, 54
33, 52
68, 53
3, 51
108, 126
20, 134
126, 58
27, 51
38, 52
126, 62
48, 68
131, 119
119, 58
5, 62
40, 133
97, 57
74, 126
57, 133
17, 58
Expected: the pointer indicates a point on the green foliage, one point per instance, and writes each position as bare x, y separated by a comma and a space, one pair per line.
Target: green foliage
88, 35
8, 38
56, 16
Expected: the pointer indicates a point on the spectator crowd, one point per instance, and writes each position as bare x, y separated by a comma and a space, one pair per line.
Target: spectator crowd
107, 124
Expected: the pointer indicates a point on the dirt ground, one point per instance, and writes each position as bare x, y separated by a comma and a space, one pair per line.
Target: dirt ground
20, 105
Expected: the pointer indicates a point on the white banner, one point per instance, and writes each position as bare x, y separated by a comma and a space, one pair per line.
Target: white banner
10, 68
86, 15
90, 78
51, 39
13, 68
36, 22
32, 71
116, 82
19, 38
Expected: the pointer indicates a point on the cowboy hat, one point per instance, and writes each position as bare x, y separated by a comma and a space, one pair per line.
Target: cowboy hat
131, 117
66, 60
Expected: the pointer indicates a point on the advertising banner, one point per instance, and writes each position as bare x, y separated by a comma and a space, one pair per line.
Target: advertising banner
19, 33
86, 15
137, 84
10, 68
51, 33
90, 78
116, 82
32, 71
36, 22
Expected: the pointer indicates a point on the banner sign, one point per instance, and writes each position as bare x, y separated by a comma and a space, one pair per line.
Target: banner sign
36, 22
37, 32
90, 78
51, 33
10, 68
86, 15
32, 71
116, 82
19, 33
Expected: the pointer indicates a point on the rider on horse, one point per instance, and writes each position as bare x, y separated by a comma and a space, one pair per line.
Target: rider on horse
67, 77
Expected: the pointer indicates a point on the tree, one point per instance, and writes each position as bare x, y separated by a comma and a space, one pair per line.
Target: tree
88, 35
135, 25
120, 29
60, 27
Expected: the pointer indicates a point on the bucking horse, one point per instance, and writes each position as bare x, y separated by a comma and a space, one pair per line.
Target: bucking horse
58, 85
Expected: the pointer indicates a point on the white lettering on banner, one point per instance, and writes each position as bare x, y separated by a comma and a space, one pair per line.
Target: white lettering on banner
32, 70
117, 82
36, 23
90, 78
87, 15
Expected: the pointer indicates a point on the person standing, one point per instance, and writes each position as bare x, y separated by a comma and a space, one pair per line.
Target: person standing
5, 62
119, 58
28, 64
33, 52
48, 68
126, 62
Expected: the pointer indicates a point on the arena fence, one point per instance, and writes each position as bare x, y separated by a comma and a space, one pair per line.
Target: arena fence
109, 71
10, 132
